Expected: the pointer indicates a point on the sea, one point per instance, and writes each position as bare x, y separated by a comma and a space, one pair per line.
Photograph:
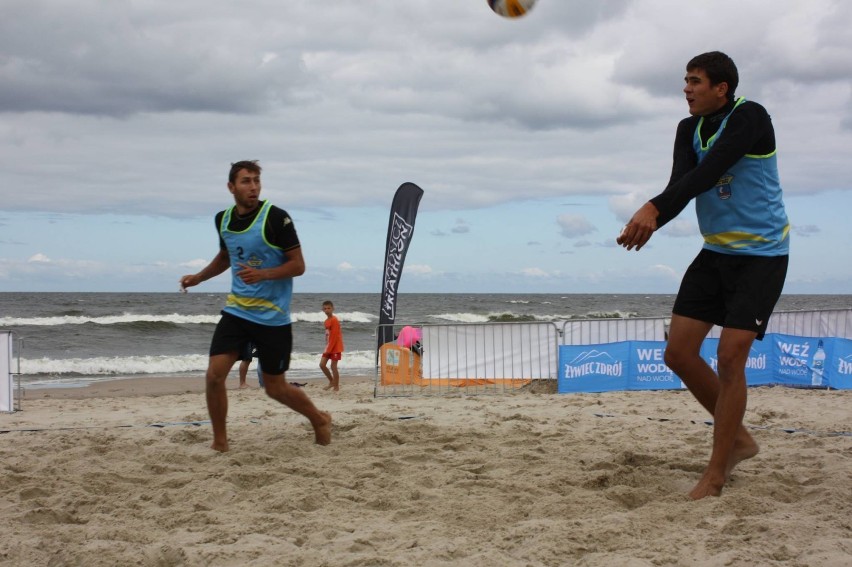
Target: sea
73, 339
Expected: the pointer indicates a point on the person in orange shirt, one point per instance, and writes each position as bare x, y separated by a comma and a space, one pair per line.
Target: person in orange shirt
333, 347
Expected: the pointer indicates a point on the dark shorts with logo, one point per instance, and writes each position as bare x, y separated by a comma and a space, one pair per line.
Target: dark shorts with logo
733, 291
273, 345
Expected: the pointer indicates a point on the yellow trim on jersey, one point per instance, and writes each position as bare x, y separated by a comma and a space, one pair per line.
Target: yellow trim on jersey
740, 239
251, 303
730, 239
765, 156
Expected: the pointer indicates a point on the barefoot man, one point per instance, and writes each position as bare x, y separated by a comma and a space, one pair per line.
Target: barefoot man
259, 243
724, 158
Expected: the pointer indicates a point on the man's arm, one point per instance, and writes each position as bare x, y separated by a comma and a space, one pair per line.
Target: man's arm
293, 265
217, 265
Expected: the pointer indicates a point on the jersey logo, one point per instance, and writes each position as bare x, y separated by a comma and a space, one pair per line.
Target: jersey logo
254, 261
723, 187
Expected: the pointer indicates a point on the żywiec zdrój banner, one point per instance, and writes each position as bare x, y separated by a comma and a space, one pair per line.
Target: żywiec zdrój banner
638, 365
400, 230
627, 365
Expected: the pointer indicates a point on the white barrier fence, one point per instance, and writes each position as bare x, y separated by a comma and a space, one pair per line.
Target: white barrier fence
481, 357
600, 331
497, 357
7, 389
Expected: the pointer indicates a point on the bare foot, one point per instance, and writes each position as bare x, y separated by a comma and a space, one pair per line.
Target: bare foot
706, 487
743, 449
221, 447
322, 431
243, 386
327, 387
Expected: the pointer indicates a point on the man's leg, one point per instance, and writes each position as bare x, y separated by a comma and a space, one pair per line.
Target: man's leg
217, 397
734, 345
297, 400
324, 368
684, 358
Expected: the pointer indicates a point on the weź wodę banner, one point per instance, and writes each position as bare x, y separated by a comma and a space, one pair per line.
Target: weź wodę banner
400, 230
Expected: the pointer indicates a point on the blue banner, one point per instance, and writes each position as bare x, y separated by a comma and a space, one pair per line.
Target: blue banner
840, 364
593, 368
638, 365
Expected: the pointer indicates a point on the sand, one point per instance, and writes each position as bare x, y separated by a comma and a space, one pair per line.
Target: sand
121, 474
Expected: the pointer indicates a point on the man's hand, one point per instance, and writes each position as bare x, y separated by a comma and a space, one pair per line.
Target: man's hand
640, 228
251, 275
189, 281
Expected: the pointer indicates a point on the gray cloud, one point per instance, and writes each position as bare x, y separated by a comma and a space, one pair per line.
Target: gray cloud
572, 226
807, 230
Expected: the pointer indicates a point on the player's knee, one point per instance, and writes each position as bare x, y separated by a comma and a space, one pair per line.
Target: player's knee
272, 389
214, 377
731, 362
674, 359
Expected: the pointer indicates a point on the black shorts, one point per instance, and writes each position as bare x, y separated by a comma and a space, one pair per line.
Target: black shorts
273, 344
734, 291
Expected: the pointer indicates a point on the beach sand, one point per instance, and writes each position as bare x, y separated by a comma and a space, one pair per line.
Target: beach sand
121, 473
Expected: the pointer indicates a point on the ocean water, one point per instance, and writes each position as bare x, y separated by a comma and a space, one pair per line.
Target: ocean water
75, 338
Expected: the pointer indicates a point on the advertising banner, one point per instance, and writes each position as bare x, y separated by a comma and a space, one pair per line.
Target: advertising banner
816, 362
593, 368
840, 364
400, 231
788, 360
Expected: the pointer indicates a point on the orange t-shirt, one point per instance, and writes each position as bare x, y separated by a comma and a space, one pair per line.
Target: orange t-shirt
333, 335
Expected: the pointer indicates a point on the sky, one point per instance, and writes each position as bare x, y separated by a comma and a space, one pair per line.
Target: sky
534, 139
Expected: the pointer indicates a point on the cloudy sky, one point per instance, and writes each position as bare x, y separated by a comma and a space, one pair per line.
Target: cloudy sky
534, 139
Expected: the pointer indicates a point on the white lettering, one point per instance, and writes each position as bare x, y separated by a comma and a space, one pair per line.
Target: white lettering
653, 367
756, 362
650, 353
795, 349
790, 361
658, 378
588, 368
400, 233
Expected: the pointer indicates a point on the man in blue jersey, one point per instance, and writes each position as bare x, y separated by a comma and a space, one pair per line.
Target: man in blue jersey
258, 242
724, 158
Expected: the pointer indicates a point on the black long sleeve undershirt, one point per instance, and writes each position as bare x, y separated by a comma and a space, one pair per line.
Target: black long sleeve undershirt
278, 230
748, 131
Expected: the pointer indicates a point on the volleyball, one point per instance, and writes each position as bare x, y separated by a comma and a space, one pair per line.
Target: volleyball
511, 8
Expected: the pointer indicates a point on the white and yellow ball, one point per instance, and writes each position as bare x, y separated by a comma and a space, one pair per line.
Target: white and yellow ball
511, 8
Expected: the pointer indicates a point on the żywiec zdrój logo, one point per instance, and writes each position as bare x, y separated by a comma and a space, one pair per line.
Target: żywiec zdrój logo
593, 362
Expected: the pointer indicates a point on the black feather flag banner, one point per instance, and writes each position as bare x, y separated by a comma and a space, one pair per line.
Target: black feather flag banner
400, 230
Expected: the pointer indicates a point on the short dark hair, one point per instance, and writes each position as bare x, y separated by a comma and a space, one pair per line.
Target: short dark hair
719, 69
327, 302
249, 164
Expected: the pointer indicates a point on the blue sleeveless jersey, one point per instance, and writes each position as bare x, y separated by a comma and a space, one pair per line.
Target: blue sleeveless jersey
744, 212
266, 302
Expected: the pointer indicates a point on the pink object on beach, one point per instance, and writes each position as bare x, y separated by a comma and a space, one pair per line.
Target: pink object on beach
408, 336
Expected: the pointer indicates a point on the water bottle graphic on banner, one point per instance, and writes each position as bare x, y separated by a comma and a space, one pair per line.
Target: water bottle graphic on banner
818, 366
